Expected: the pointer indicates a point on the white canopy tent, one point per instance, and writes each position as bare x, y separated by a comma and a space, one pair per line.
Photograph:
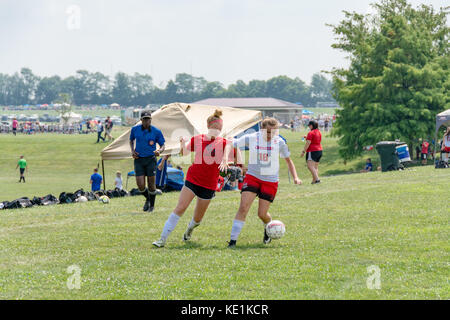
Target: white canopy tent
71, 117
187, 120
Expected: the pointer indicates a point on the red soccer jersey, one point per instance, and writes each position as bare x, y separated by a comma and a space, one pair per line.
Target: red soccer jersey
425, 147
316, 138
204, 172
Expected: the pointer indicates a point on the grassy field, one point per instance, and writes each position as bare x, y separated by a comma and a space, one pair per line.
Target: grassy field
396, 221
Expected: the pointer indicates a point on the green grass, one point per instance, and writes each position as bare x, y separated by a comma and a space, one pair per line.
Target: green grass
397, 221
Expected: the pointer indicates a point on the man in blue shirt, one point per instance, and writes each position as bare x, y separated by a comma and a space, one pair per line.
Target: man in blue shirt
96, 180
143, 140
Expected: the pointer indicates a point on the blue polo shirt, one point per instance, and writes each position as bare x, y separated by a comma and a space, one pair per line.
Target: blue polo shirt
96, 181
146, 140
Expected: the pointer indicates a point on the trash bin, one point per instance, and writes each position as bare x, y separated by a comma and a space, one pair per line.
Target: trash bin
388, 155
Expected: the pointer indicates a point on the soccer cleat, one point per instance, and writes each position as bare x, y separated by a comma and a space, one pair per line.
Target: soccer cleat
147, 205
151, 209
157, 192
188, 234
266, 239
160, 243
232, 244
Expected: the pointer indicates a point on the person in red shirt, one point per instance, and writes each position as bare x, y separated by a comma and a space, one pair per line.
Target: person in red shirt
425, 146
313, 150
211, 157
15, 124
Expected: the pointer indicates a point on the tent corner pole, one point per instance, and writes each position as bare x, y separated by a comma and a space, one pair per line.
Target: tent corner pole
103, 171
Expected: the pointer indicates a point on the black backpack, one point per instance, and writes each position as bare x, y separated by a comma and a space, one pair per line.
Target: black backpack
19, 203
91, 196
36, 201
49, 200
65, 198
135, 192
124, 193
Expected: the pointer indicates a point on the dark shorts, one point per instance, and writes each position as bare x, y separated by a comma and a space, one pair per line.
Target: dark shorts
424, 156
314, 156
22, 170
263, 189
200, 192
145, 167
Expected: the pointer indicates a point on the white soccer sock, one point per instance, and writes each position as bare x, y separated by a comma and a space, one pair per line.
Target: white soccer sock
193, 224
170, 224
236, 229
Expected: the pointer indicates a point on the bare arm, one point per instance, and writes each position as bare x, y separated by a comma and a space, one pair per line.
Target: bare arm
133, 152
308, 143
160, 150
293, 171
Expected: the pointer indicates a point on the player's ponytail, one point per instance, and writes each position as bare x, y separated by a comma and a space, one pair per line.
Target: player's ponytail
216, 117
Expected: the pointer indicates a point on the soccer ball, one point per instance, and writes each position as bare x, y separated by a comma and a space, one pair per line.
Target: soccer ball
275, 229
104, 199
82, 199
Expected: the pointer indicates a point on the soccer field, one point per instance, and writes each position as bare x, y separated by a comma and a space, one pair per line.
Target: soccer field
397, 222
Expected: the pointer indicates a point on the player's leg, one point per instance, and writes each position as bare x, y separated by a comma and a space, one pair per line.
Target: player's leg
267, 195
140, 181
264, 215
185, 199
247, 198
312, 168
151, 182
199, 212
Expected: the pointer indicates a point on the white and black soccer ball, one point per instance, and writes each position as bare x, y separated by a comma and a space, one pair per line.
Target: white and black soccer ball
82, 199
275, 229
104, 199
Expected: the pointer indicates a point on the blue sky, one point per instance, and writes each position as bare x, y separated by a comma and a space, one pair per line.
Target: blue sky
223, 40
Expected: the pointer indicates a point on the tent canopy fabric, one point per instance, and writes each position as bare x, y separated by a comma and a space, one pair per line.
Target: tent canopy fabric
443, 119
71, 117
187, 120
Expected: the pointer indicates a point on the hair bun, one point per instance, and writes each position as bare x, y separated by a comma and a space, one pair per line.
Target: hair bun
218, 113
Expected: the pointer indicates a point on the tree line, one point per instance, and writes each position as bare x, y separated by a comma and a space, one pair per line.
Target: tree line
399, 74
95, 88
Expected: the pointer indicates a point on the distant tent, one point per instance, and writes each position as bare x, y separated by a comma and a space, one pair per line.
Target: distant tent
71, 117
181, 119
442, 119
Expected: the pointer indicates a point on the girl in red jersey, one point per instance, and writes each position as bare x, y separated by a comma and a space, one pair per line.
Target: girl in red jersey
201, 179
313, 150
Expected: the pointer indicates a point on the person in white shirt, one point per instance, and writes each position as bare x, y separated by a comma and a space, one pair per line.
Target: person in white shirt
265, 148
118, 181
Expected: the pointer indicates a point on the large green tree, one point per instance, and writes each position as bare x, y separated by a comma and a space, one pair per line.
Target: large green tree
398, 78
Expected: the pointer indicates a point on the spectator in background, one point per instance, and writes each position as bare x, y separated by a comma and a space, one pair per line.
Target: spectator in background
118, 182
96, 180
22, 163
425, 146
108, 128
417, 153
313, 150
369, 166
15, 124
99, 131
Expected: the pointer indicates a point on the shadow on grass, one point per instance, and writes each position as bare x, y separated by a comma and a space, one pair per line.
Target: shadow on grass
198, 246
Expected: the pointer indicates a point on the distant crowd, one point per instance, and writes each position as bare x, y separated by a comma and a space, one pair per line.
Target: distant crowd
84, 127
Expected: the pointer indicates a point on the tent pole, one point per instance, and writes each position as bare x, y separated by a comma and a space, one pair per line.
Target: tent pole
103, 171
